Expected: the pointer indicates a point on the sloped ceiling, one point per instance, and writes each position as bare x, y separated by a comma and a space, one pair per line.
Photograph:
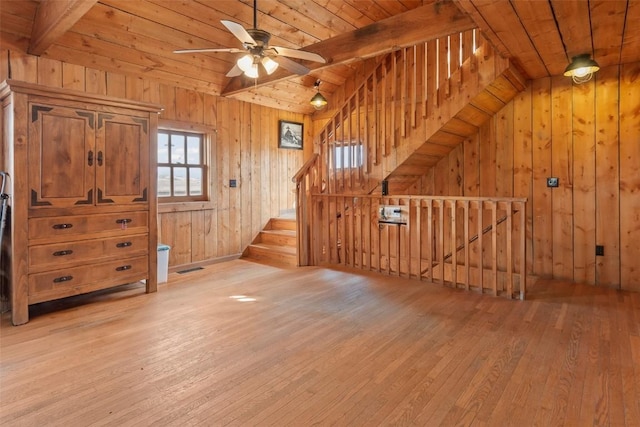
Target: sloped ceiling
137, 37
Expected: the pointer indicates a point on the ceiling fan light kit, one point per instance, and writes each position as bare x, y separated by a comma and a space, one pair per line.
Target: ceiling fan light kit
257, 51
581, 68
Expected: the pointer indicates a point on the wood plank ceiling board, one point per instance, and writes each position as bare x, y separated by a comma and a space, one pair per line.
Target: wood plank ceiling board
54, 18
418, 25
351, 13
574, 25
506, 24
630, 51
607, 27
128, 32
539, 22
487, 32
137, 38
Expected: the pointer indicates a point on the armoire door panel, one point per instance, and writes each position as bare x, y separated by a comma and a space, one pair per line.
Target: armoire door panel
122, 143
60, 174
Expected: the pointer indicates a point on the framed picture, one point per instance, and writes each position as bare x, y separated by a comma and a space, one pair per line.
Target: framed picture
290, 135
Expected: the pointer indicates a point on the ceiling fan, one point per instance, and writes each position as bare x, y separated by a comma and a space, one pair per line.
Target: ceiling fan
258, 52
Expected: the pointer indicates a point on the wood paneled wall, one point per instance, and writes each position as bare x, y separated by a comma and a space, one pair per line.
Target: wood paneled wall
586, 135
244, 147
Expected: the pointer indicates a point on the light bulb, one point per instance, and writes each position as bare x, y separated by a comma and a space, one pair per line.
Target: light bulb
245, 62
252, 71
269, 64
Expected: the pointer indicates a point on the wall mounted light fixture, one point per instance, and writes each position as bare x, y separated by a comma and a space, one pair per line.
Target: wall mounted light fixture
318, 101
581, 68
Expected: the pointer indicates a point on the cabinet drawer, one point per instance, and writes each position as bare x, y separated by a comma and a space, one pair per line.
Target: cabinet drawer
58, 255
101, 224
78, 280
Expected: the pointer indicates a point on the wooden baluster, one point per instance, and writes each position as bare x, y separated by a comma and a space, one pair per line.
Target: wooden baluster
480, 246
430, 239
494, 246
359, 143
425, 81
523, 249
383, 110
350, 141
414, 91
509, 250
454, 244
441, 239
394, 96
418, 234
355, 236
408, 236
375, 141
454, 55
467, 245
403, 96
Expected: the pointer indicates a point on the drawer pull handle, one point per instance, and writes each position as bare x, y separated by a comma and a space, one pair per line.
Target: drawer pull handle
99, 158
123, 221
90, 158
63, 253
123, 244
123, 268
62, 279
62, 226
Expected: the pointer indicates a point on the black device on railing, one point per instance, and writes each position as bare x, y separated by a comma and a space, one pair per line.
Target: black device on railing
385, 188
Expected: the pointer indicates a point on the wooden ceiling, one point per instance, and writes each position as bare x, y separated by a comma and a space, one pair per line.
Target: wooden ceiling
138, 37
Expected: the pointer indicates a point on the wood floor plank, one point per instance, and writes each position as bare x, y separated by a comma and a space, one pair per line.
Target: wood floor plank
243, 343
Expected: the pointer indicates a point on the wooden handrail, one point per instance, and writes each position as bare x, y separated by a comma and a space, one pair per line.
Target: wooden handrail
305, 168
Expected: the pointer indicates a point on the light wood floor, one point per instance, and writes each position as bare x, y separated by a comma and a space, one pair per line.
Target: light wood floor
316, 346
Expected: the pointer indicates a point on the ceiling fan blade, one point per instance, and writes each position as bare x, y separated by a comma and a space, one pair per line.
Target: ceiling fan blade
290, 65
239, 31
299, 54
235, 71
230, 50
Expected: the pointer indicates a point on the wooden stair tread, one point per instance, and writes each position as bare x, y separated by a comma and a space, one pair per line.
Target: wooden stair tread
288, 233
289, 250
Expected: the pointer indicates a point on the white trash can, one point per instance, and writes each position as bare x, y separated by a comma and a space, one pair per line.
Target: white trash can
163, 262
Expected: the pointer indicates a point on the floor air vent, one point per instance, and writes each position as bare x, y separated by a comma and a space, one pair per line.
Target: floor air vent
189, 270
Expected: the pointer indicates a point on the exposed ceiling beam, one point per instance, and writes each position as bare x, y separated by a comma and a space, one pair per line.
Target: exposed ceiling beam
415, 26
53, 19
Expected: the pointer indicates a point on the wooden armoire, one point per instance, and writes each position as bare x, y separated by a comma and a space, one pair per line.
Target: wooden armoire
82, 193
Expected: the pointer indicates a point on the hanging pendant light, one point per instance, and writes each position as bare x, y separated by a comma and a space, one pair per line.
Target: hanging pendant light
581, 68
318, 101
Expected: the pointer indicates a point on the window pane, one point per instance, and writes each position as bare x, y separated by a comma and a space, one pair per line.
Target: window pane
164, 182
163, 148
179, 181
193, 150
195, 181
338, 151
177, 149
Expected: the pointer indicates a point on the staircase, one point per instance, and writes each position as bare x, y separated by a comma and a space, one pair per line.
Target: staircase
276, 243
410, 111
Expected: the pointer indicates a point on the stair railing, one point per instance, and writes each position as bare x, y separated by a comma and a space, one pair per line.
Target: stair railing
382, 112
307, 181
424, 241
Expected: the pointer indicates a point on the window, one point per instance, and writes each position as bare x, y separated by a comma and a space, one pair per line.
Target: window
182, 170
348, 156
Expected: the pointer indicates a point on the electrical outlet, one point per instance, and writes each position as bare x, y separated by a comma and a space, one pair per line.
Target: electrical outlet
599, 250
552, 182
